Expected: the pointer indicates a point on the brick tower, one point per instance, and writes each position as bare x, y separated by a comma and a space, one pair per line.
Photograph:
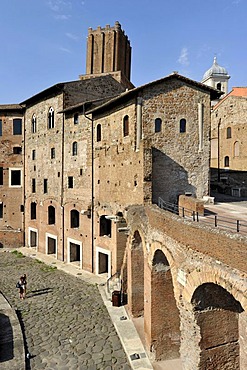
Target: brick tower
109, 52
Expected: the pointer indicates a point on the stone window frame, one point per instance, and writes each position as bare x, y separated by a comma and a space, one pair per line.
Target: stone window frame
45, 186
34, 124
236, 149
226, 161
33, 155
17, 126
33, 185
228, 132
98, 132
126, 125
17, 150
74, 148
51, 118
33, 210
51, 215
70, 182
74, 219
13, 169
182, 125
157, 124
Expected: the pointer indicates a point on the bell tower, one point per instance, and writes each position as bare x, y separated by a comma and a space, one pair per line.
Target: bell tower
217, 77
109, 52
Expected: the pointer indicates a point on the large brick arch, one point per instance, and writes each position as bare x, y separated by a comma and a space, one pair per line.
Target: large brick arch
219, 339
161, 314
135, 273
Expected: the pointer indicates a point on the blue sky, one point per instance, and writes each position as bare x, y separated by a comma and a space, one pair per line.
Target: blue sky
43, 42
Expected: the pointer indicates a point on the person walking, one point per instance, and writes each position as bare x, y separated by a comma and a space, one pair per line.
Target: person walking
25, 285
21, 287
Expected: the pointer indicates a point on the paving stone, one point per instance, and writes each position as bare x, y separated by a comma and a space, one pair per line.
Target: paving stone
64, 330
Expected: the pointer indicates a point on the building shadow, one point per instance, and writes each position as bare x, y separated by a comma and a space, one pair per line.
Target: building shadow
6, 339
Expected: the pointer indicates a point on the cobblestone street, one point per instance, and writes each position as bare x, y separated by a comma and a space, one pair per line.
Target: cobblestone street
66, 324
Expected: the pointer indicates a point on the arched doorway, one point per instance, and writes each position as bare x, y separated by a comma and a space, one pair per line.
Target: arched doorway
165, 321
217, 313
136, 276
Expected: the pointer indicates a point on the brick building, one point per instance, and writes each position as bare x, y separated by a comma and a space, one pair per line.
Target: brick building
228, 143
11, 175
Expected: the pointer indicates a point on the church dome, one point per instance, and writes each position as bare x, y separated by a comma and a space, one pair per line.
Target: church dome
215, 70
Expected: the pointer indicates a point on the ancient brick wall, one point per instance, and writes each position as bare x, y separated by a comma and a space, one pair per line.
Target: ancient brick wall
11, 196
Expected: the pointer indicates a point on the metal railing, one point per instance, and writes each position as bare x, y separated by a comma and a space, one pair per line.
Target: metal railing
210, 219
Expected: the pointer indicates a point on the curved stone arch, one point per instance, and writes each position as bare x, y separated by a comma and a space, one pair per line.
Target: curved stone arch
205, 275
201, 322
143, 238
162, 320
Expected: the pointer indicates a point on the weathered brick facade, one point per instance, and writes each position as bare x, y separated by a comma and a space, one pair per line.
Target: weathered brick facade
11, 175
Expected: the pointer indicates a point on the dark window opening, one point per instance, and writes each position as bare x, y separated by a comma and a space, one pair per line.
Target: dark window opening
74, 148
182, 126
157, 124
218, 86
45, 186
105, 226
228, 132
98, 132
226, 161
76, 118
70, 182
15, 177
33, 185
126, 126
52, 153
1, 127
51, 215
1, 210
17, 150
74, 218
33, 210
17, 126
33, 155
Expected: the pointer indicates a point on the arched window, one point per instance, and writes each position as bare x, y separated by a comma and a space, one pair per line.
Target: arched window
126, 126
236, 149
74, 218
218, 86
98, 132
76, 118
226, 161
157, 124
74, 148
34, 125
182, 125
51, 121
51, 215
228, 132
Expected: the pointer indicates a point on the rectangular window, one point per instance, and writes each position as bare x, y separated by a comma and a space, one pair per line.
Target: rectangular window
33, 155
1, 210
1, 175
33, 185
70, 182
17, 126
45, 186
17, 150
52, 153
33, 211
1, 127
15, 177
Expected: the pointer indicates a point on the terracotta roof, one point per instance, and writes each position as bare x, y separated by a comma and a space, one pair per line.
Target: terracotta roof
236, 91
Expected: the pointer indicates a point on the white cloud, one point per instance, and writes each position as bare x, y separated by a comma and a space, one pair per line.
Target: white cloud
62, 17
58, 5
183, 58
71, 36
65, 50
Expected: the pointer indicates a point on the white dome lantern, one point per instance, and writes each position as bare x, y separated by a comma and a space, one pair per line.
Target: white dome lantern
216, 77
